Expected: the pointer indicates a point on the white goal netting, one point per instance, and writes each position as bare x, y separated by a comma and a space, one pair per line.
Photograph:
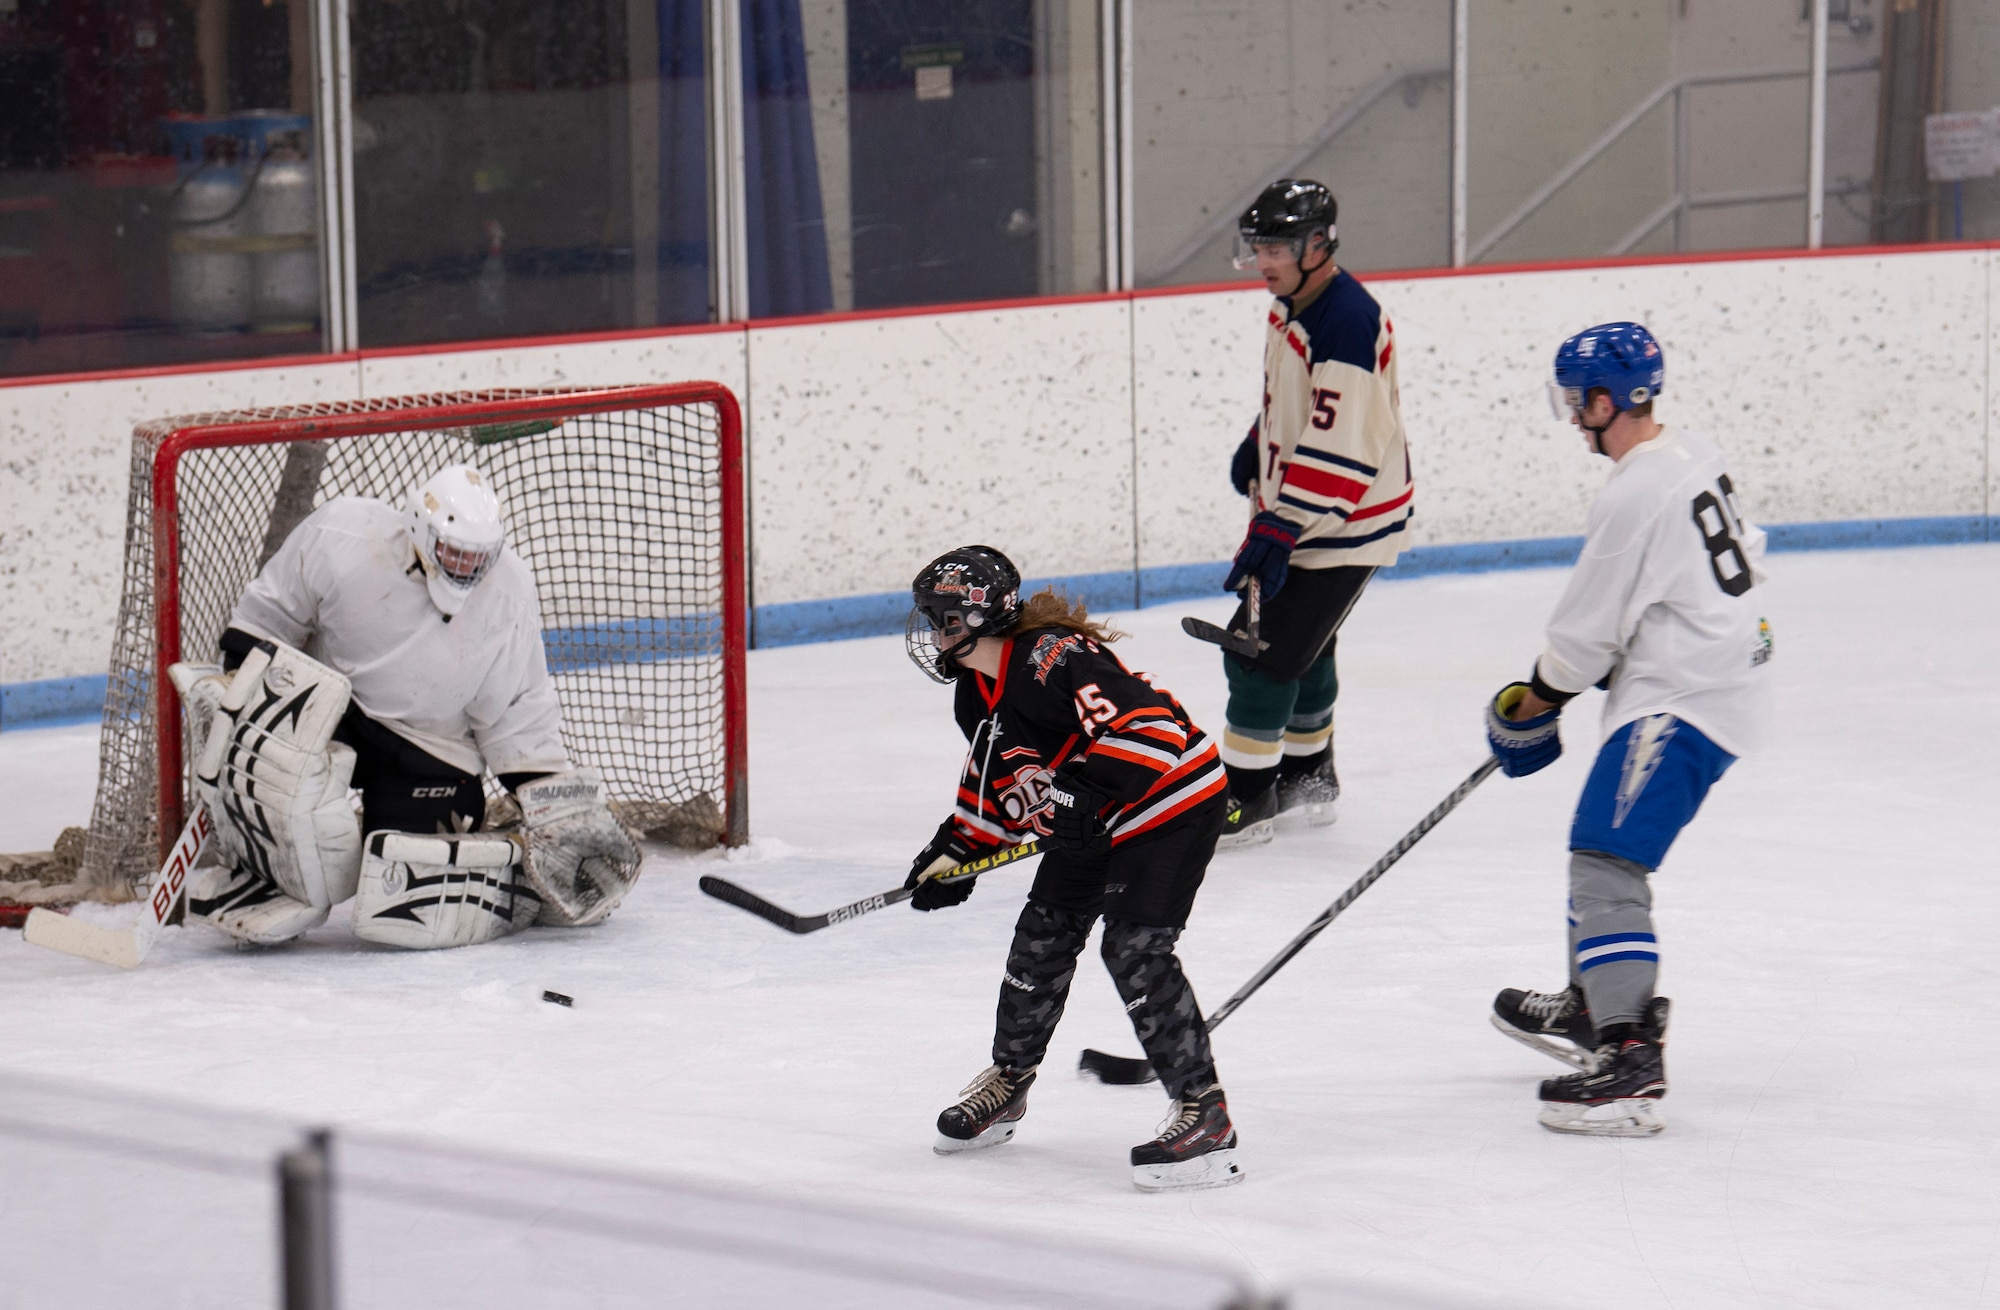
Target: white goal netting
617, 500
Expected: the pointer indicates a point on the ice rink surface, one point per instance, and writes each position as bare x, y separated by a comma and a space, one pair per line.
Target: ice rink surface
1827, 932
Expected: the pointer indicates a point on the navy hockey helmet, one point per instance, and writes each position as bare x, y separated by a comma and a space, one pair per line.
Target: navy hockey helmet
957, 598
1288, 210
1621, 359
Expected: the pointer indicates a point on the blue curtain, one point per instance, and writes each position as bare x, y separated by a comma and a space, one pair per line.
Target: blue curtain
683, 250
787, 238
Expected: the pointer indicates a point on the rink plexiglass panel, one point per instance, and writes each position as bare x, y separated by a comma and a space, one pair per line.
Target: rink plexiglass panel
159, 188
1224, 100
920, 152
527, 167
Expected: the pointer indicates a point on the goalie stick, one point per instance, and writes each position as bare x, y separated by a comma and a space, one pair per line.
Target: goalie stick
1125, 1071
127, 947
744, 899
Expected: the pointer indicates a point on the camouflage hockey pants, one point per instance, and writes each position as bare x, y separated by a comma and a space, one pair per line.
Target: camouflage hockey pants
1144, 891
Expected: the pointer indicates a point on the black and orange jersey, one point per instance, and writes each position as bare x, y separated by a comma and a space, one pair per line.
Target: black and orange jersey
1061, 696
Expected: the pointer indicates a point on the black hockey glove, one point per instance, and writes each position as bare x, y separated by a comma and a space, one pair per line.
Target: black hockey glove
1524, 746
1243, 464
1266, 554
948, 848
1074, 825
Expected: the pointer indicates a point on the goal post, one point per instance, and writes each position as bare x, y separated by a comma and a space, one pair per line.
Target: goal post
626, 502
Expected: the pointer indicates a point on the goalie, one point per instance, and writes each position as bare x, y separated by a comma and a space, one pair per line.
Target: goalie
399, 654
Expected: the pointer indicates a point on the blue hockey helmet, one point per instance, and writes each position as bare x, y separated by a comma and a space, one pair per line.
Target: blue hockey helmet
1621, 358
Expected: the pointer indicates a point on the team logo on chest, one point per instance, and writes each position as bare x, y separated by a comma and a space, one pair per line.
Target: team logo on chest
1051, 649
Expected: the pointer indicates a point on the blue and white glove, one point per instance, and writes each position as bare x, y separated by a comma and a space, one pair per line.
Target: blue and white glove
1243, 464
1523, 746
1266, 554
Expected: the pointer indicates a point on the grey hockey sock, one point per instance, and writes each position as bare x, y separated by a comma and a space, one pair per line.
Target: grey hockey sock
1614, 951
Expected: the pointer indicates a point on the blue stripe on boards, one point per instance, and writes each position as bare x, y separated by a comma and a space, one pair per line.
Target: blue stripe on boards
1585, 966
53, 701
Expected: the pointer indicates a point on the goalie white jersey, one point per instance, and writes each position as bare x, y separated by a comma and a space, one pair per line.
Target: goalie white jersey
1667, 598
474, 692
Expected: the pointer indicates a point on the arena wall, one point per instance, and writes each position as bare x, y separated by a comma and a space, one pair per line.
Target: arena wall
1090, 437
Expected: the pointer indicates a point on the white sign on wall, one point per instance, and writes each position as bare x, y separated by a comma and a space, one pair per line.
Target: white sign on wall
1960, 146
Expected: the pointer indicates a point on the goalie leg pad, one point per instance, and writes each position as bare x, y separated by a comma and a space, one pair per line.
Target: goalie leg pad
247, 906
429, 893
280, 782
580, 860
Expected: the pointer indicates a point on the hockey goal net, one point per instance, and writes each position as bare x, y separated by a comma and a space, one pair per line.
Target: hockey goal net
626, 502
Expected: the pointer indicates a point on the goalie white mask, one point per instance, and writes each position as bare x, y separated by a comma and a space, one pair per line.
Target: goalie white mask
455, 525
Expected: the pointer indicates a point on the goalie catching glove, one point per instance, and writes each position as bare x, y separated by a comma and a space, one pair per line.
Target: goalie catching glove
580, 861
288, 844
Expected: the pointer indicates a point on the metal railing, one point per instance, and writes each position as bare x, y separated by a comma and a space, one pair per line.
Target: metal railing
1409, 80
1680, 203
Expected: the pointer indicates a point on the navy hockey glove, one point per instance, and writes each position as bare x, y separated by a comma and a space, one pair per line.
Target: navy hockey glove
1523, 746
945, 850
1074, 825
1266, 554
1243, 464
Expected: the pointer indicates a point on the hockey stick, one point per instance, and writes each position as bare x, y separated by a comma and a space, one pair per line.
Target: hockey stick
127, 947
1246, 644
744, 899
1123, 1070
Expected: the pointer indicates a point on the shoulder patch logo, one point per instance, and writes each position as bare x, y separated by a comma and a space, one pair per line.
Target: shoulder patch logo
1051, 649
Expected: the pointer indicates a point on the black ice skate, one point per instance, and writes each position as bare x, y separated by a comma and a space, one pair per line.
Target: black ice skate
1248, 823
1196, 1147
987, 1112
1306, 799
1620, 1098
1554, 1023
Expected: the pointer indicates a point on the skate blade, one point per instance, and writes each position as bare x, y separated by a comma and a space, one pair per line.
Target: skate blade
998, 1135
1306, 816
1216, 1169
1573, 1056
1255, 835
1636, 1116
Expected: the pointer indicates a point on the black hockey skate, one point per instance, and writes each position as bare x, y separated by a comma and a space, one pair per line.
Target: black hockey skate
1620, 1097
1248, 823
1306, 799
987, 1111
1554, 1023
1196, 1147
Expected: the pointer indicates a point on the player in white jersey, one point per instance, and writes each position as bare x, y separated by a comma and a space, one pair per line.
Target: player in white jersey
1326, 467
1665, 612
399, 652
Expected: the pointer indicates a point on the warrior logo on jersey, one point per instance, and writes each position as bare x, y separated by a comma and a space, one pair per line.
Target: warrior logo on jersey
1051, 649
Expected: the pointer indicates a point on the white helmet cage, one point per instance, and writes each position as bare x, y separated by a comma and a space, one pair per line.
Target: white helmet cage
456, 528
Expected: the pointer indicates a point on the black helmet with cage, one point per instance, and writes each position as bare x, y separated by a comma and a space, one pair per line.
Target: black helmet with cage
957, 598
1289, 210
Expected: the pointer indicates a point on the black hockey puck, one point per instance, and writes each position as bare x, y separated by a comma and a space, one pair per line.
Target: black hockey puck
557, 998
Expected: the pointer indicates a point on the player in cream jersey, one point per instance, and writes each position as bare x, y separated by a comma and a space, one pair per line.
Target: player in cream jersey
1664, 611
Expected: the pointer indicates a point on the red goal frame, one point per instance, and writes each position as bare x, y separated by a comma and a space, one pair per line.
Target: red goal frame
364, 418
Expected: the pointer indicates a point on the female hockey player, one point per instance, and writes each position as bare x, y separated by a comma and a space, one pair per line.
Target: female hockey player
1326, 468
1126, 796
1664, 612
401, 652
